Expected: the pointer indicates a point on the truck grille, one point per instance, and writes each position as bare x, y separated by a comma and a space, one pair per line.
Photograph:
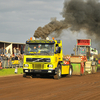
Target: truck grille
38, 66
38, 59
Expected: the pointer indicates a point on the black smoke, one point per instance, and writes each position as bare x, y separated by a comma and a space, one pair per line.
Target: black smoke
83, 14
78, 15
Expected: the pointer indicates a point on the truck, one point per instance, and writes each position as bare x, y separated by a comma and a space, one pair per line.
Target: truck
45, 57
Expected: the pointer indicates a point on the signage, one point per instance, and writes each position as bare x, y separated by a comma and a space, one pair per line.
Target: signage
83, 42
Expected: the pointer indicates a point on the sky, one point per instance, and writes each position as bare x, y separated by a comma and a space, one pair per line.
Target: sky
20, 18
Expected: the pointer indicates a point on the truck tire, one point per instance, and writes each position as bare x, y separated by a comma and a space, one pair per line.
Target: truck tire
24, 75
58, 75
70, 72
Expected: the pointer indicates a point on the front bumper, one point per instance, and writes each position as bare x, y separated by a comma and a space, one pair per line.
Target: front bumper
38, 71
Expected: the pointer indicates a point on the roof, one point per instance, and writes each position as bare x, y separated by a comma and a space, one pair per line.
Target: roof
11, 42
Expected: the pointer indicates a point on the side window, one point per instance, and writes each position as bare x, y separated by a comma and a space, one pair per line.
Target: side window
58, 49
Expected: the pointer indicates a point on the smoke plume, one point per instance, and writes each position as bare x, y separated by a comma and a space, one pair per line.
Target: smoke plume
54, 25
78, 14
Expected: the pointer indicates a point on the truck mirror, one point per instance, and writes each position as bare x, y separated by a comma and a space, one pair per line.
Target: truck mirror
59, 50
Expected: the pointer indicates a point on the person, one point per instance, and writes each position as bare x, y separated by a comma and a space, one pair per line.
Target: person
21, 50
52, 50
58, 49
14, 50
16, 57
5, 51
17, 51
34, 50
5, 59
9, 53
1, 61
10, 61
2, 50
21, 60
39, 47
16, 70
13, 57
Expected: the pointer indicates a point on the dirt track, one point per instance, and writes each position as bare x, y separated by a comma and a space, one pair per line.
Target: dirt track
85, 87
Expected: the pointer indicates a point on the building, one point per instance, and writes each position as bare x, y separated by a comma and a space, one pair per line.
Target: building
11, 45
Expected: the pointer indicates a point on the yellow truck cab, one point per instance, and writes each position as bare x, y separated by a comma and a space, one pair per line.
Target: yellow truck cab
44, 57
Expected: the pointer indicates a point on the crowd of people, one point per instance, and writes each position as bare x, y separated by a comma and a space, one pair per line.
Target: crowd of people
7, 59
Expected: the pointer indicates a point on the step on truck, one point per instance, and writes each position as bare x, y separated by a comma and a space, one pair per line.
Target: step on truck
45, 57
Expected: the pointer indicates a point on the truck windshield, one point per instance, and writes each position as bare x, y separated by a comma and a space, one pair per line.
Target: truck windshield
39, 49
82, 50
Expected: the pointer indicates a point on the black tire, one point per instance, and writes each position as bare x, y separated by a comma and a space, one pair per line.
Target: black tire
24, 75
58, 75
70, 72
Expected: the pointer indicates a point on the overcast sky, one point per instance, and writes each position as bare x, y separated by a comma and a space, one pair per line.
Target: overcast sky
20, 18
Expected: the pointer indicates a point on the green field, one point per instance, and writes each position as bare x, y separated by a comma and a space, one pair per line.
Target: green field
10, 71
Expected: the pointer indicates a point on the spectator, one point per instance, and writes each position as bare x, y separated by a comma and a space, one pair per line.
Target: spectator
0, 57
16, 57
9, 53
21, 60
14, 51
17, 51
21, 50
5, 58
13, 57
2, 50
5, 51
10, 61
16, 70
0, 60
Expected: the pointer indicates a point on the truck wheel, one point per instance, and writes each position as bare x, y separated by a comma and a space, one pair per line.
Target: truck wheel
24, 75
70, 72
58, 75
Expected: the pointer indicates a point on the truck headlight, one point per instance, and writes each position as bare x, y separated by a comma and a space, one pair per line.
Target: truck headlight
50, 65
26, 65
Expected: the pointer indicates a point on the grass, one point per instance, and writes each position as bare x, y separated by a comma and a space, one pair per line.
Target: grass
10, 71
